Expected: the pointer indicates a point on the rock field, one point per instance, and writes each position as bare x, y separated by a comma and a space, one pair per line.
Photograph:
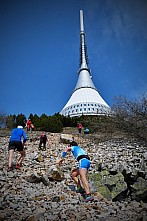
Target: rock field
29, 194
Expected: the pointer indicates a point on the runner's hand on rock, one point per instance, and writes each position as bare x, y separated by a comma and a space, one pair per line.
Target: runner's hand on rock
60, 161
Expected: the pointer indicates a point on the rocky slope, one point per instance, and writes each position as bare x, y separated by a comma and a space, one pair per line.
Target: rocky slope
30, 195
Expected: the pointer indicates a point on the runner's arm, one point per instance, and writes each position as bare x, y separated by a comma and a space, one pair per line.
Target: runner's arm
24, 137
64, 154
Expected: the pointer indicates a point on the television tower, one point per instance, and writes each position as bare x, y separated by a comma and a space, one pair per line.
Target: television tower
85, 99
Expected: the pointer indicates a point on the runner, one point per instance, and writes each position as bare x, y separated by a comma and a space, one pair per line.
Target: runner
43, 139
16, 143
84, 164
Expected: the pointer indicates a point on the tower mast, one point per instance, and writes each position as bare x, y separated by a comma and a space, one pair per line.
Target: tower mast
83, 47
84, 79
81, 21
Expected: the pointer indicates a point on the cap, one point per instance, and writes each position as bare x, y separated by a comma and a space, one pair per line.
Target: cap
20, 127
73, 143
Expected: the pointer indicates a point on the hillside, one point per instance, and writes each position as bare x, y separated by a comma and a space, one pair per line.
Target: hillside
31, 195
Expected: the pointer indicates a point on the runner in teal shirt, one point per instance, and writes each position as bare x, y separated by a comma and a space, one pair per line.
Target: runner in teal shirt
83, 166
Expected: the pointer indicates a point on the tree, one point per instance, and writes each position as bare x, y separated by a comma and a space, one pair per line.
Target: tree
31, 117
3, 117
131, 115
21, 120
35, 120
11, 121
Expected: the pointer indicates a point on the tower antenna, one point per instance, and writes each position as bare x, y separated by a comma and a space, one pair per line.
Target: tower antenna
81, 21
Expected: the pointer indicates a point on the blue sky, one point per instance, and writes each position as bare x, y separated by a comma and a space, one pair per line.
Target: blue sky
39, 51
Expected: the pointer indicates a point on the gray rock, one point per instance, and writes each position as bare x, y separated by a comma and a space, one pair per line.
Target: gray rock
55, 173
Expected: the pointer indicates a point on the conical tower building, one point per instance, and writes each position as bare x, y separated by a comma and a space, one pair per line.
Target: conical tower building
85, 99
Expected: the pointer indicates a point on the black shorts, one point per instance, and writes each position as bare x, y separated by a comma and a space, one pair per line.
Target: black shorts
15, 145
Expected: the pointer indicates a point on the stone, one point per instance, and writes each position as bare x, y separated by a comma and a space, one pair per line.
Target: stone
139, 189
66, 138
55, 173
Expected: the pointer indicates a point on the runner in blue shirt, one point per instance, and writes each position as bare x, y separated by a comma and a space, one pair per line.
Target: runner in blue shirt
17, 141
84, 164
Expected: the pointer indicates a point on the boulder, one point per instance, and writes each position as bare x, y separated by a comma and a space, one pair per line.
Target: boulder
34, 178
139, 190
55, 173
110, 186
66, 138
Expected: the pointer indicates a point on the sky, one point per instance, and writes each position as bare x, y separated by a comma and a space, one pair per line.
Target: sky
39, 51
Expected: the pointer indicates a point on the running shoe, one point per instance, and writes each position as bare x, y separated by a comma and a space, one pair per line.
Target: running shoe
9, 169
18, 166
80, 190
88, 198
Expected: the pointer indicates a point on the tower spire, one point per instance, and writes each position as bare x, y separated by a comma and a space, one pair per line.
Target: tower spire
84, 71
85, 98
83, 48
81, 21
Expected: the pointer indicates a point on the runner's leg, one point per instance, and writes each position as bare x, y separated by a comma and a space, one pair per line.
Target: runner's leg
83, 173
23, 154
75, 174
10, 157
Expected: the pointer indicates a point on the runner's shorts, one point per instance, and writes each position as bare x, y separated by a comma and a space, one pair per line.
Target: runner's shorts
15, 145
84, 163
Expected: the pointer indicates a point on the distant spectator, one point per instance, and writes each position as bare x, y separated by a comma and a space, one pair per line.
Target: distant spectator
28, 125
86, 131
43, 139
79, 126
16, 143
